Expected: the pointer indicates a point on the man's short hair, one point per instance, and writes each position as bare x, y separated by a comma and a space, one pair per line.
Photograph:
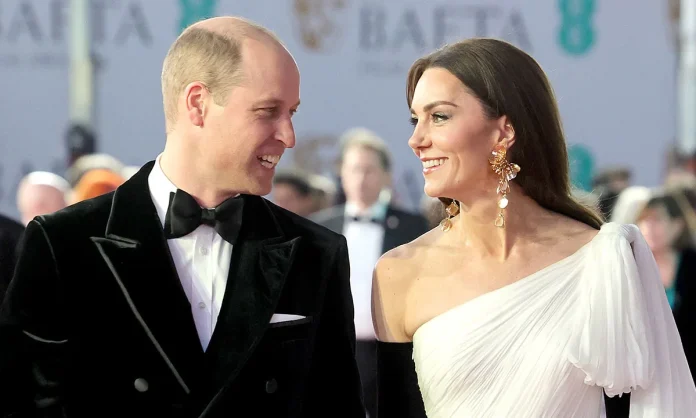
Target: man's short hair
213, 58
365, 138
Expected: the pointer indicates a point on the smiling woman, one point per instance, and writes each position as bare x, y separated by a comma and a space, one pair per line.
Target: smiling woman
518, 305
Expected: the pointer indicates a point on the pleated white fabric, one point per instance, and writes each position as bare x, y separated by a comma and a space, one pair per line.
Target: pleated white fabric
546, 345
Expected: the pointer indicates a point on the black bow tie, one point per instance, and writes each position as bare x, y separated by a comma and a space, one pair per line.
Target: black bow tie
365, 219
185, 215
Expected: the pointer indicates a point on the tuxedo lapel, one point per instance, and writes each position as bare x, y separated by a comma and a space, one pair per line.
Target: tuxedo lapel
136, 253
260, 264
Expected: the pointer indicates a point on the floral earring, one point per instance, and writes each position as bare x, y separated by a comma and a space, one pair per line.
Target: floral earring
506, 171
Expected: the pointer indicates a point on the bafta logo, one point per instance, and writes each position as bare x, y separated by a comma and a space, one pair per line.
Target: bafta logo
315, 21
191, 11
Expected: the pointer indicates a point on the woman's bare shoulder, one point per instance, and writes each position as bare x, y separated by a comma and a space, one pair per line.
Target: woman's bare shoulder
396, 264
393, 276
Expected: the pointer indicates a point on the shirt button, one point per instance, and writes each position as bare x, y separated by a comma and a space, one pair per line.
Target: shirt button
204, 250
201, 305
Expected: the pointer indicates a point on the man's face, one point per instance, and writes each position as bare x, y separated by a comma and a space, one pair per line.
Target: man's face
363, 176
248, 135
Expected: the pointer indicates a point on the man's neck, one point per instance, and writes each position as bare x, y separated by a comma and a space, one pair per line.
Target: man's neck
182, 172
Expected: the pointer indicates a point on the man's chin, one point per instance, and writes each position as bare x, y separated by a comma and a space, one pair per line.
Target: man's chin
259, 189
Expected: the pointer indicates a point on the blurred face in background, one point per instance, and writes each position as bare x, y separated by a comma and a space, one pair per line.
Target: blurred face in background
659, 229
289, 197
363, 176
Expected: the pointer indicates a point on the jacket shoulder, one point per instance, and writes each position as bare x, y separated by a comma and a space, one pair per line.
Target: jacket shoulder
87, 216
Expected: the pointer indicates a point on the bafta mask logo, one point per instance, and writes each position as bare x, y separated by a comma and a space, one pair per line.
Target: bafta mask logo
317, 152
191, 11
316, 23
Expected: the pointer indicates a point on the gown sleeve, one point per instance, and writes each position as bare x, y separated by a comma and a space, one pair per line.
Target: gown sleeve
398, 394
626, 339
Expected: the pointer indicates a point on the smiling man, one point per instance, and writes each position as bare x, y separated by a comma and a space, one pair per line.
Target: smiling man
184, 293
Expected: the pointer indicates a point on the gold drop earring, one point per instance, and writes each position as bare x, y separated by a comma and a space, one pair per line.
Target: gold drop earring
506, 171
452, 211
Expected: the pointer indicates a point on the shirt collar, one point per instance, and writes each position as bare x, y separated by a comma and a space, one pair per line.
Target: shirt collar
160, 189
377, 211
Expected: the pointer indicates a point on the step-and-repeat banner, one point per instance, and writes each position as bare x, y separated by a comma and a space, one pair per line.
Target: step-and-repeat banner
612, 64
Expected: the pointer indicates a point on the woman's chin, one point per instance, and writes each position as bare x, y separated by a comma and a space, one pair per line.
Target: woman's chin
433, 190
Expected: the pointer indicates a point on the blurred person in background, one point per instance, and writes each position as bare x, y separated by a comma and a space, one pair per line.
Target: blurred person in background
41, 193
608, 183
292, 191
10, 235
325, 192
129, 171
524, 303
91, 162
668, 222
629, 203
372, 226
95, 182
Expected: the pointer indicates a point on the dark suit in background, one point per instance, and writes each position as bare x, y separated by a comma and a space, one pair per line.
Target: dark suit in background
10, 235
97, 324
400, 227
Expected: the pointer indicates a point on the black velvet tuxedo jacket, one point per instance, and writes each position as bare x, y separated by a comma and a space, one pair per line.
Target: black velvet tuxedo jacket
96, 323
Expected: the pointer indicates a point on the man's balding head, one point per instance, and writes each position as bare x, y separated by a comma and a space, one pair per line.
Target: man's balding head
41, 193
209, 51
230, 90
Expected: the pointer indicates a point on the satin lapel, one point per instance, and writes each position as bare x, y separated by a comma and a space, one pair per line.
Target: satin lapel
135, 251
260, 265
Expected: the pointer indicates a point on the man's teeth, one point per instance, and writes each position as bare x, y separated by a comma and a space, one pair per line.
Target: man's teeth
269, 160
433, 163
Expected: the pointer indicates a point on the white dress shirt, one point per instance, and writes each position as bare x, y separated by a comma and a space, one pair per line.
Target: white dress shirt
365, 240
202, 260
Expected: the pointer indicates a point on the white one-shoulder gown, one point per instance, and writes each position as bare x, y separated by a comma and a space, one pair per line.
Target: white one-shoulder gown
548, 344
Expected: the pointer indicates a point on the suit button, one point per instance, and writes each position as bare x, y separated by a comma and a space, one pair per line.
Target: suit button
141, 384
271, 386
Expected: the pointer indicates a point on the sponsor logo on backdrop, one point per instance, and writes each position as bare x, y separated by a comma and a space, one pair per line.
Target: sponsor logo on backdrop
36, 33
317, 25
576, 32
191, 11
388, 38
582, 166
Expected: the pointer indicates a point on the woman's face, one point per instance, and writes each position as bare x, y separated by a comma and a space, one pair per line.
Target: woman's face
660, 231
452, 136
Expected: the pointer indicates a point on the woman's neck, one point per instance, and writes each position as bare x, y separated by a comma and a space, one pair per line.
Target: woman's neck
476, 227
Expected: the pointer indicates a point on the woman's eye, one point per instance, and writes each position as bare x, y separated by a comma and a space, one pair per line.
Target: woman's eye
439, 117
